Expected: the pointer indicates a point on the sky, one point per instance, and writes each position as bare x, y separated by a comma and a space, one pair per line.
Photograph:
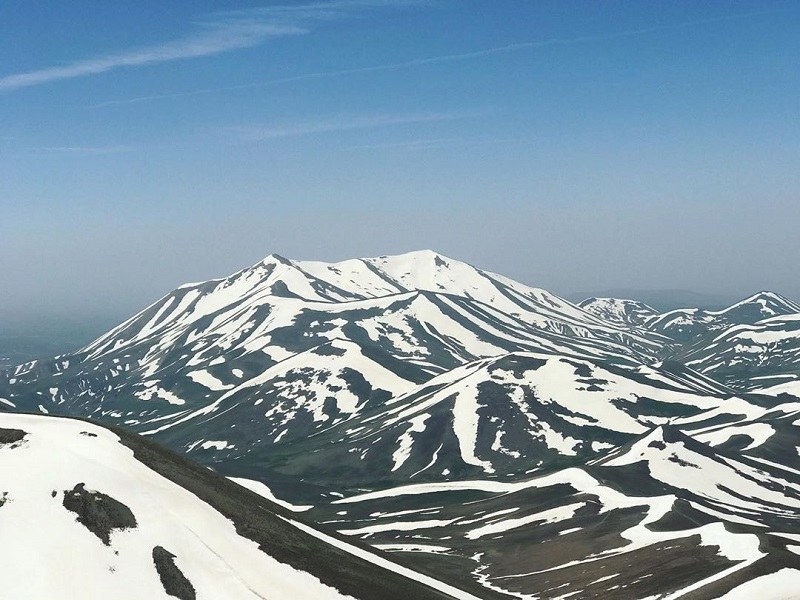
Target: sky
570, 145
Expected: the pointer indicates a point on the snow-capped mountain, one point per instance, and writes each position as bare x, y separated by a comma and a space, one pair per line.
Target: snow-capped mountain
688, 323
750, 345
94, 514
415, 316
504, 417
752, 356
631, 313
493, 435
664, 516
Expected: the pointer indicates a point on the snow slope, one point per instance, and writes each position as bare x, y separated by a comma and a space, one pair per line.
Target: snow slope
95, 551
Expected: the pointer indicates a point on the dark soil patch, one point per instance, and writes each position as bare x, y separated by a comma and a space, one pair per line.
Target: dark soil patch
98, 512
11, 436
173, 580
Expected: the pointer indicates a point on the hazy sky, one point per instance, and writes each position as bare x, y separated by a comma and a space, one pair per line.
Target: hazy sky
571, 145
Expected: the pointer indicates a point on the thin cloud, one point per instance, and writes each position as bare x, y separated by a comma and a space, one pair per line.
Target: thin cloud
431, 60
255, 133
85, 149
329, 10
438, 142
221, 32
218, 39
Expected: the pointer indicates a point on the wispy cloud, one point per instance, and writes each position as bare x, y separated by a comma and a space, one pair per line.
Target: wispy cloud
85, 149
260, 132
329, 10
216, 34
438, 142
213, 40
430, 60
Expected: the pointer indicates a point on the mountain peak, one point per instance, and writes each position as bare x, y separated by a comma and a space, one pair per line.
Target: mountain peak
766, 303
274, 258
768, 296
423, 255
618, 310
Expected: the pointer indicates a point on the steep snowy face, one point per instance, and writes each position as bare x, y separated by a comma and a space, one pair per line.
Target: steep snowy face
94, 521
429, 271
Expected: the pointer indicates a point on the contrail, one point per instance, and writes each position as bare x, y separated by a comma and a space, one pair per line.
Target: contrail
446, 58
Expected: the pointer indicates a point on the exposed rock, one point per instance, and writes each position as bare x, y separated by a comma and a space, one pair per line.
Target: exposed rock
98, 512
173, 580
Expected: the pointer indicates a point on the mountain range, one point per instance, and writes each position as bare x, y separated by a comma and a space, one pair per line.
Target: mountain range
480, 436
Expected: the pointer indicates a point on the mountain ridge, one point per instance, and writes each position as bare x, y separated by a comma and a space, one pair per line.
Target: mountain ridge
323, 382
260, 549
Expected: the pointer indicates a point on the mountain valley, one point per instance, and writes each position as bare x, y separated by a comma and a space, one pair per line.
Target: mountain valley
494, 437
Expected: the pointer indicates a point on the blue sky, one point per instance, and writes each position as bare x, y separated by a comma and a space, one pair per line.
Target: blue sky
571, 145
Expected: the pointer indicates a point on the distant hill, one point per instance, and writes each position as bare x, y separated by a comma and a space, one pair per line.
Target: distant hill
27, 338
662, 300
